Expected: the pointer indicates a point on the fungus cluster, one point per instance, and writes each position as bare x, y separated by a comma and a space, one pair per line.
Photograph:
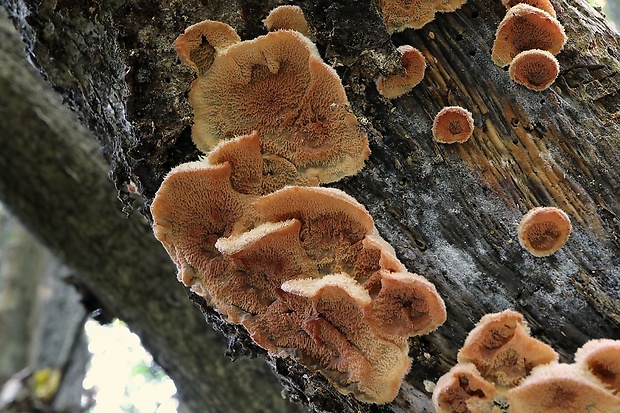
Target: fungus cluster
500, 364
399, 15
413, 64
278, 86
301, 267
527, 39
544, 230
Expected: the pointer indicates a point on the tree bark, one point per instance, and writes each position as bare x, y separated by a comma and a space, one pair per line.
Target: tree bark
449, 211
54, 179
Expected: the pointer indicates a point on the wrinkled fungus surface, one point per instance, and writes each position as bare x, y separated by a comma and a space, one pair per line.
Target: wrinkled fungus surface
303, 271
544, 230
287, 18
534, 69
463, 390
453, 124
602, 359
414, 64
278, 86
300, 266
524, 28
539, 4
399, 15
561, 388
502, 350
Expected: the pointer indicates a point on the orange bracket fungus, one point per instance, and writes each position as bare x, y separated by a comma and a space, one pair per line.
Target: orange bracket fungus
399, 15
463, 390
561, 388
287, 18
453, 124
200, 43
539, 4
413, 63
301, 267
502, 350
534, 69
544, 230
524, 28
601, 358
278, 86
501, 365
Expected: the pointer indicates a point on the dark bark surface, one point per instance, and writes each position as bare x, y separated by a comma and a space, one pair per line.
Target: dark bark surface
54, 178
449, 211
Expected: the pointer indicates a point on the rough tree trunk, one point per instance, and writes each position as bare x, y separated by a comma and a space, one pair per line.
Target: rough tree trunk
53, 177
449, 211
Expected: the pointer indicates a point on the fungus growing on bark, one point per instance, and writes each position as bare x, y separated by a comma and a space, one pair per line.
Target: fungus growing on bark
300, 267
336, 321
539, 4
463, 390
252, 172
501, 348
406, 305
544, 230
561, 388
287, 18
413, 63
399, 15
298, 241
602, 359
534, 69
278, 86
453, 124
194, 206
523, 28
200, 43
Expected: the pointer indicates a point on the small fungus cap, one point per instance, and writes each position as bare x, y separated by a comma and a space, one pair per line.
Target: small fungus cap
561, 388
453, 124
199, 44
287, 18
602, 359
463, 390
534, 69
544, 230
523, 28
414, 64
501, 348
399, 15
539, 4
407, 305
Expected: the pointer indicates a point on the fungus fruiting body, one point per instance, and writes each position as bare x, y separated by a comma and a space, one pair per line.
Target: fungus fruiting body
413, 63
301, 267
544, 230
463, 390
200, 43
278, 86
287, 18
534, 69
561, 388
601, 358
399, 15
502, 350
453, 124
539, 4
524, 28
